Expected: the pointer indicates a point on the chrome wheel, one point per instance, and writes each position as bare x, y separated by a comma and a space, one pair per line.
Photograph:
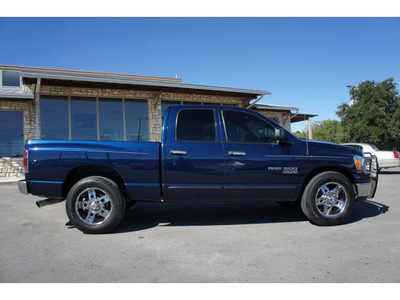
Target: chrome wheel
331, 199
93, 206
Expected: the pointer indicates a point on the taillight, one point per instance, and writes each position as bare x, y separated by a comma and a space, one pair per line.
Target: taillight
396, 154
26, 161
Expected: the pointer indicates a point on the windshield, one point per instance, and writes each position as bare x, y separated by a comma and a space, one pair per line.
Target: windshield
373, 147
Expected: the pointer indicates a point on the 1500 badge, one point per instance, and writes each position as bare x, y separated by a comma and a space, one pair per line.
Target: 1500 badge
285, 170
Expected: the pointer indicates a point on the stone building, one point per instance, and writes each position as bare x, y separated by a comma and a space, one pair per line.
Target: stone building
54, 104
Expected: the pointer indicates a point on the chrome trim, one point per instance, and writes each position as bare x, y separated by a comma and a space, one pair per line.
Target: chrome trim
363, 189
331, 199
46, 202
194, 187
236, 153
260, 187
178, 152
23, 187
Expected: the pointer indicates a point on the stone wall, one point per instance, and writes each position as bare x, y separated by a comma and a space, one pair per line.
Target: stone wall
282, 117
11, 167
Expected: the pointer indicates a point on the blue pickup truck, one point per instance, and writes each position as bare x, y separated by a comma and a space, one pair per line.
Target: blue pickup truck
207, 153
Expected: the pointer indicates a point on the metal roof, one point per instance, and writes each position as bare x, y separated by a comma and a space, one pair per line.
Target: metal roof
86, 76
301, 117
275, 107
11, 92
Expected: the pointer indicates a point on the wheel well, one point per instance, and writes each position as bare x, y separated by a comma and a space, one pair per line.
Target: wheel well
322, 170
92, 170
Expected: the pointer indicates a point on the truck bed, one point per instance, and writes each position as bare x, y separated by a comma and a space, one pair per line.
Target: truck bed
53, 163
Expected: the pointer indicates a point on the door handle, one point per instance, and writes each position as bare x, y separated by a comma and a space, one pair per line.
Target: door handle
178, 152
236, 153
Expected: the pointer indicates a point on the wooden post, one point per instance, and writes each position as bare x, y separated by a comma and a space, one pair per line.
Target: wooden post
309, 129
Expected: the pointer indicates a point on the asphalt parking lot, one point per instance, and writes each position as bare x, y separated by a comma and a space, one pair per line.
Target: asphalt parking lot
203, 242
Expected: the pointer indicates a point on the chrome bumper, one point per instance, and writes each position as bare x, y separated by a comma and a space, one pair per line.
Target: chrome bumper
23, 187
363, 189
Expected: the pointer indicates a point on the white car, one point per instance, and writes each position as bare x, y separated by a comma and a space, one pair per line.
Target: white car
386, 159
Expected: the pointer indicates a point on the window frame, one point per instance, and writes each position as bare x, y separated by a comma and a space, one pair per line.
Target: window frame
195, 108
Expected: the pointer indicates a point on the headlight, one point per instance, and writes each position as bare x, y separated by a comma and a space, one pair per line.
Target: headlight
359, 163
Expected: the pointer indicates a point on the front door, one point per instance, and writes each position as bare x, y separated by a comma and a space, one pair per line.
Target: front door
256, 166
194, 158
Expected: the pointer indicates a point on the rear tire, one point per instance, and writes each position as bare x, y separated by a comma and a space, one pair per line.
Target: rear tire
328, 199
95, 205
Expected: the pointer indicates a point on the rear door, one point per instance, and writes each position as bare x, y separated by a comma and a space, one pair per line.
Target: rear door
194, 158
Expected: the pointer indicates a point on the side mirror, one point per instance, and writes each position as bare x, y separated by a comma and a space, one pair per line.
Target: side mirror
279, 134
280, 137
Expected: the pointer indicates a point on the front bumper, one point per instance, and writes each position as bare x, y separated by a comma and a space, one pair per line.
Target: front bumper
23, 187
363, 189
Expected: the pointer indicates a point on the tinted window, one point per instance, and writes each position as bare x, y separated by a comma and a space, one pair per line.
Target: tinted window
195, 125
83, 119
111, 120
10, 78
11, 134
242, 127
137, 123
54, 118
375, 148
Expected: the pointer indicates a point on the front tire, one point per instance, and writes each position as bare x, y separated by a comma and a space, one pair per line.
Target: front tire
328, 199
95, 205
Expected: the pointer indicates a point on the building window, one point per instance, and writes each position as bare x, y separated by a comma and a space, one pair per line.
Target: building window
136, 120
54, 118
83, 119
111, 120
11, 134
11, 78
90, 119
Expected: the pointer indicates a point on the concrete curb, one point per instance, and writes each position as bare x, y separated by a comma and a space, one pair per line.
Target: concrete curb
10, 179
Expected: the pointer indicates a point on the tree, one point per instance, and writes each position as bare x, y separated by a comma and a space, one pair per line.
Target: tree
301, 134
374, 117
327, 130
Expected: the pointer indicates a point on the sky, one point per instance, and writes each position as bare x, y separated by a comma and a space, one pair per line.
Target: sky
304, 62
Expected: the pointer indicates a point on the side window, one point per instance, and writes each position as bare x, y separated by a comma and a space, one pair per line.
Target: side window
355, 147
242, 127
195, 125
